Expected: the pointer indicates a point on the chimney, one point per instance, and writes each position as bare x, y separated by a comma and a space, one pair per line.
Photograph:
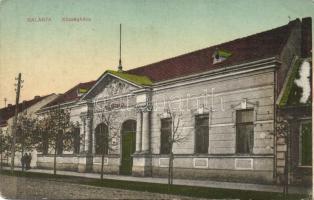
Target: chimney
36, 97
306, 34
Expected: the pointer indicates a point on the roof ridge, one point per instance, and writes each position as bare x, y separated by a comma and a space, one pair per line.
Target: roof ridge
220, 44
86, 82
66, 93
26, 101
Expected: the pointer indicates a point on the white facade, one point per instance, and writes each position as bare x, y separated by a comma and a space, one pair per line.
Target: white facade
217, 96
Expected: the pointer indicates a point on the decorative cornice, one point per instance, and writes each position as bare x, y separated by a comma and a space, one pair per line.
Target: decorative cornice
244, 104
144, 108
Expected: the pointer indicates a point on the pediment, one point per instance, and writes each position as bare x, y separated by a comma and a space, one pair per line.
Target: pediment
109, 86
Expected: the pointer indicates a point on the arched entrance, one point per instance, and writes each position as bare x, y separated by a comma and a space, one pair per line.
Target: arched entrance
128, 133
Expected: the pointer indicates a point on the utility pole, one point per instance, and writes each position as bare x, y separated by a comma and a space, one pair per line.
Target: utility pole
120, 62
1, 144
14, 129
5, 102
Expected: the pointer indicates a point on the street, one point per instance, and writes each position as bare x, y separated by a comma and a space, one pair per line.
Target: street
34, 188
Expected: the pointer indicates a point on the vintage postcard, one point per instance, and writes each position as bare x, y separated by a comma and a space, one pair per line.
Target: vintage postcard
165, 99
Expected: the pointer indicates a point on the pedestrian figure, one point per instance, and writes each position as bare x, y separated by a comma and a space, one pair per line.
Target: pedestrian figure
23, 161
28, 161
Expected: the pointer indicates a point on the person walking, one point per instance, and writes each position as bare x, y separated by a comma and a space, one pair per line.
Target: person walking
28, 160
23, 161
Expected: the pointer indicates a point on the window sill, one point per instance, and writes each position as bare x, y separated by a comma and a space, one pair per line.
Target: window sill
214, 156
107, 155
305, 166
58, 155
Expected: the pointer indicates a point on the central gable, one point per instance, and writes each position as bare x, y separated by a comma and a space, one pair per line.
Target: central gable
109, 85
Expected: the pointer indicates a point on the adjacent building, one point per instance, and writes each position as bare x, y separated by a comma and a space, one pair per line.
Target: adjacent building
29, 107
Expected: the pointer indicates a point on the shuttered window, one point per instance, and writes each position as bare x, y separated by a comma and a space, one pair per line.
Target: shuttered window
60, 143
101, 137
76, 141
201, 134
244, 131
44, 142
165, 136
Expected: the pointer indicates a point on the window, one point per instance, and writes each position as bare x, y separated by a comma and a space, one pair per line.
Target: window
59, 143
81, 91
220, 55
165, 136
244, 131
76, 140
306, 144
101, 137
201, 134
44, 143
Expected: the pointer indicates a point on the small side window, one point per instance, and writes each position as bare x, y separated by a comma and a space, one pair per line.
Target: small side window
306, 144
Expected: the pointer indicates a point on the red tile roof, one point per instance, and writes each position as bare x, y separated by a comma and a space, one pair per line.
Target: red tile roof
254, 47
251, 48
8, 112
72, 94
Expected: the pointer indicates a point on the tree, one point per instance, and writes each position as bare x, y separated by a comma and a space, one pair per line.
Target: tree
26, 133
176, 137
5, 145
57, 131
107, 115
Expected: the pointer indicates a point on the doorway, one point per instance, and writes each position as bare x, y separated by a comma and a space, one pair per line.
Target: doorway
128, 146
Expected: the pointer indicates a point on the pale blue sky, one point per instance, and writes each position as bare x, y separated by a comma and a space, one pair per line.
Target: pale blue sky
54, 56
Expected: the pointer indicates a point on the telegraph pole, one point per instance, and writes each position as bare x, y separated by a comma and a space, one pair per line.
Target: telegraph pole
120, 62
14, 129
1, 144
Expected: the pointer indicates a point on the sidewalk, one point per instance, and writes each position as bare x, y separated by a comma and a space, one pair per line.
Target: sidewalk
198, 183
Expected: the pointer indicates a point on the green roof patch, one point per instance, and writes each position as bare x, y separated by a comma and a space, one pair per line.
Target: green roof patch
82, 90
220, 55
139, 80
224, 54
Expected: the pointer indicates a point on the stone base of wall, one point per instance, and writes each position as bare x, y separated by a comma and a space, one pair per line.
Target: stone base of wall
81, 168
108, 169
85, 164
244, 176
142, 165
66, 163
301, 176
60, 166
184, 168
141, 171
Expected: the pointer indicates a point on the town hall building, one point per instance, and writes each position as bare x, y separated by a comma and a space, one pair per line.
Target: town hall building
222, 102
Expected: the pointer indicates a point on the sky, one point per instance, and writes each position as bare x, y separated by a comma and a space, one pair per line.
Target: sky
55, 55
